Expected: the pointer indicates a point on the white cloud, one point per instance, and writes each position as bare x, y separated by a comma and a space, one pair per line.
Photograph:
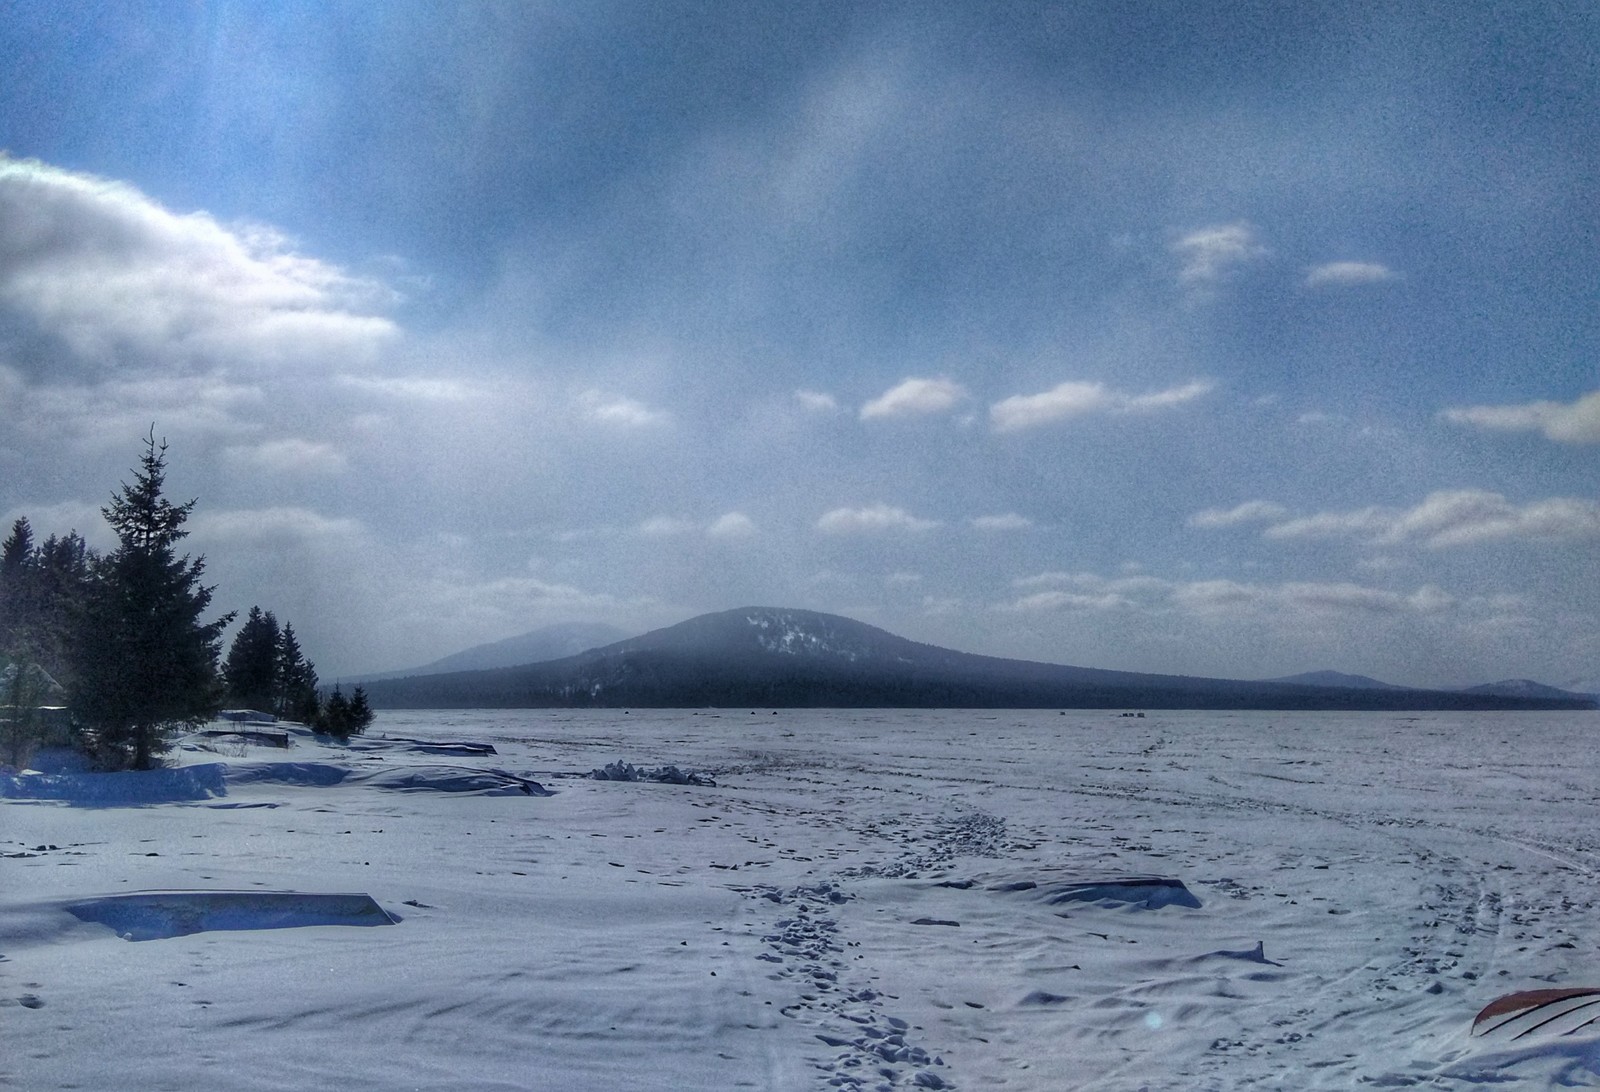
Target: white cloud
1288, 600
666, 527
817, 401
732, 525
1007, 521
915, 397
502, 603
872, 520
1371, 521
1256, 511
289, 455
1057, 600
1453, 518
1058, 592
1210, 253
1077, 399
1338, 597
1460, 517
1070, 399
1569, 423
116, 277
270, 524
1343, 274
623, 412
416, 388
902, 579
1045, 580
1318, 417
1172, 396
112, 411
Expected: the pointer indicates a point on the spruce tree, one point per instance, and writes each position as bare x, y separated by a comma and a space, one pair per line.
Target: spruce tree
17, 654
16, 696
144, 662
251, 669
17, 546
17, 559
360, 711
60, 584
295, 680
335, 718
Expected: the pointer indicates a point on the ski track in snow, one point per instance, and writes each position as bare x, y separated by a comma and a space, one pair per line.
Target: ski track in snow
859, 903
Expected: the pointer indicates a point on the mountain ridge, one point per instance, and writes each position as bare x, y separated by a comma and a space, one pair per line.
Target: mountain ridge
787, 657
1337, 678
1523, 688
553, 642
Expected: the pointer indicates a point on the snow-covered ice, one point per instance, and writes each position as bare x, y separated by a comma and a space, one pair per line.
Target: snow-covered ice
861, 900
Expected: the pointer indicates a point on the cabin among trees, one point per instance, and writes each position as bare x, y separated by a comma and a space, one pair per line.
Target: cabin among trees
114, 654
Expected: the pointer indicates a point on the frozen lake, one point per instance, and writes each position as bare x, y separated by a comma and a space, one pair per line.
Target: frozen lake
864, 899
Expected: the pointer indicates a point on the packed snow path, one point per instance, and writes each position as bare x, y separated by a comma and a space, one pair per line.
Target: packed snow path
863, 900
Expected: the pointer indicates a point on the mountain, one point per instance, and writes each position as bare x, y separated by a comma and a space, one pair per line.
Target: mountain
1336, 678
546, 643
1525, 688
776, 657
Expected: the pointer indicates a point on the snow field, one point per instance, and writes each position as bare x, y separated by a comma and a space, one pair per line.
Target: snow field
865, 900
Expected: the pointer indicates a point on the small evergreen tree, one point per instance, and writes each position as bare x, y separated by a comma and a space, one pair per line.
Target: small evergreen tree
360, 711
343, 717
60, 585
17, 546
143, 660
251, 669
335, 718
295, 681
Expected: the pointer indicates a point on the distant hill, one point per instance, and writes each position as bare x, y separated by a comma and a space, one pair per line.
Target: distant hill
536, 646
777, 657
1336, 678
1525, 688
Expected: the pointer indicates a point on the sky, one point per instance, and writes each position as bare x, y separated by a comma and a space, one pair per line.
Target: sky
1235, 340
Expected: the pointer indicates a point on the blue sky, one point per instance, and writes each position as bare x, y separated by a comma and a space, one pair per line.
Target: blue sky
1234, 339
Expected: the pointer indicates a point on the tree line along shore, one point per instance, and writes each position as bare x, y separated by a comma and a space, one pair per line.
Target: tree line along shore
113, 654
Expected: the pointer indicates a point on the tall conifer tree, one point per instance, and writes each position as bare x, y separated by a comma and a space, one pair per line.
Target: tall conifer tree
144, 662
16, 585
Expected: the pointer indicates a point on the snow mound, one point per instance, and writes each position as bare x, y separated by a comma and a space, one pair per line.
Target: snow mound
181, 783
158, 915
461, 779
1055, 889
309, 774
425, 778
458, 747
667, 775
